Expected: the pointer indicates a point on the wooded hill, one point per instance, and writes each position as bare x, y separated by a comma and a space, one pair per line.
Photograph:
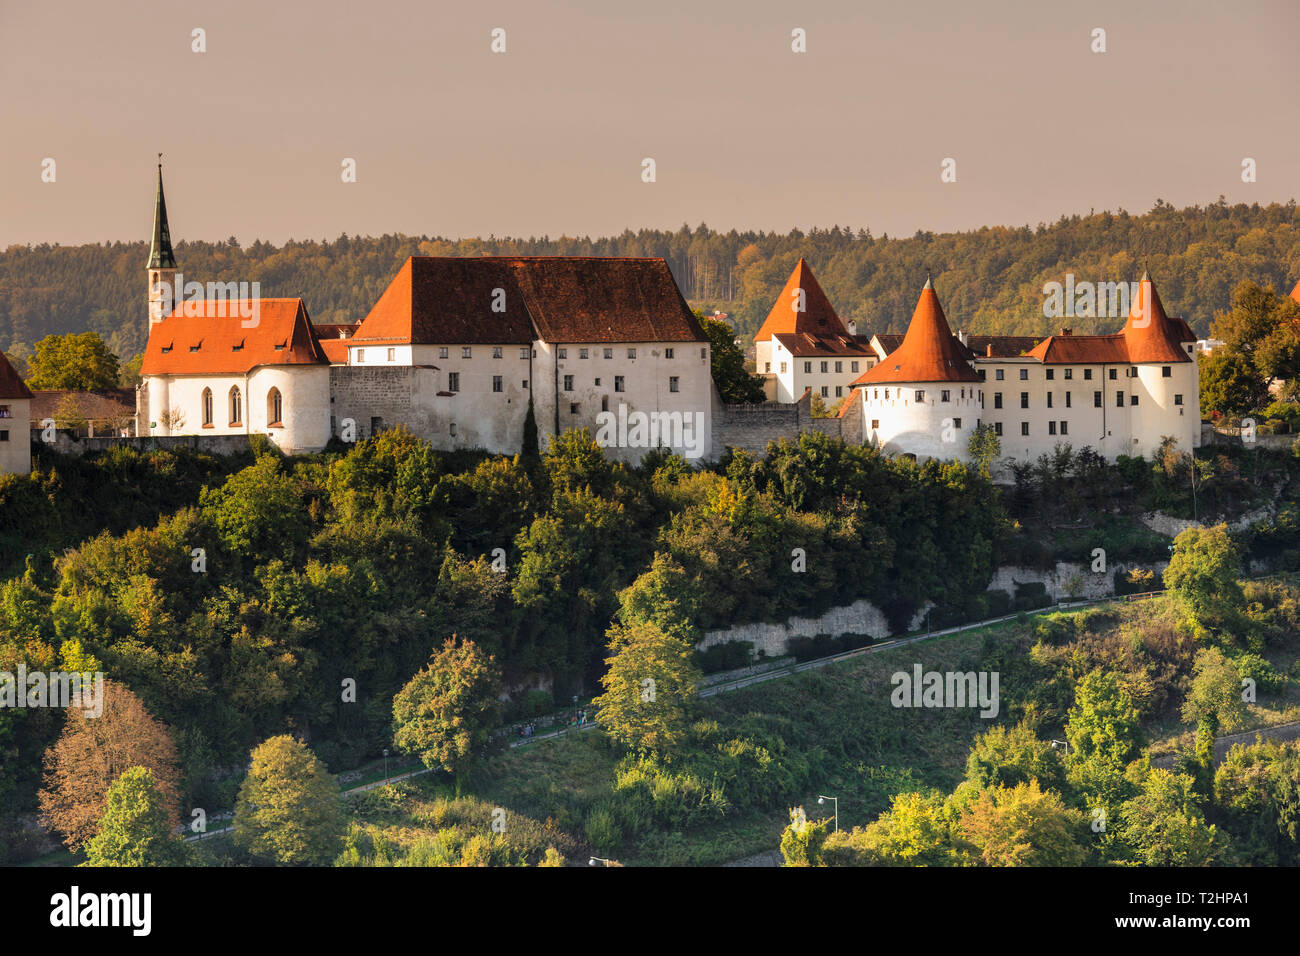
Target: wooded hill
991, 279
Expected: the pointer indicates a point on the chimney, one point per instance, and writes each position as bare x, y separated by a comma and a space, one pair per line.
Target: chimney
343, 333
988, 350
1067, 331
962, 336
853, 328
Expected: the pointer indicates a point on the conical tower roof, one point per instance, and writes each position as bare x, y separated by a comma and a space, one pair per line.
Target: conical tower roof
929, 352
160, 251
1149, 334
818, 316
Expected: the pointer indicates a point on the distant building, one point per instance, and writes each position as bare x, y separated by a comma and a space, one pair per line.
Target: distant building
100, 411
15, 412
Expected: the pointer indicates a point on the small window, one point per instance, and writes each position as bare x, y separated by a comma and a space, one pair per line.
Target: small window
207, 407
524, 385
442, 352
999, 374
1024, 428
944, 395
826, 392
920, 394
274, 407
1051, 374
453, 381
4, 434
604, 403
573, 408
631, 353
466, 352
956, 423
598, 383
767, 367
782, 368
1065, 428
497, 384
1051, 428
562, 353
997, 429
668, 353
392, 355
839, 391
1069, 374
1114, 374
1166, 371
1119, 399
1087, 375
704, 352
497, 352
839, 367
673, 383
361, 355
1049, 399
997, 399
853, 366
583, 353
1133, 399
824, 367
236, 407
4, 412
568, 383
807, 368
452, 429
523, 353
1096, 399
1178, 399
618, 383
1024, 375
875, 423
1024, 399
609, 353
1067, 399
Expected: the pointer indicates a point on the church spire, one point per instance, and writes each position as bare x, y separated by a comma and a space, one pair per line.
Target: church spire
160, 252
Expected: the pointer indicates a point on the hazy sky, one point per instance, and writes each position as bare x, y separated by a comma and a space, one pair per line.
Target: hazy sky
548, 138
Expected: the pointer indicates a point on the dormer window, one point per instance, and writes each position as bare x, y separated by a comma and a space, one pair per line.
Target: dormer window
238, 346
195, 348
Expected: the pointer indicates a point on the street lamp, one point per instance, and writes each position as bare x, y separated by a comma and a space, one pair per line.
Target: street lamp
1065, 745
599, 859
385, 766
836, 802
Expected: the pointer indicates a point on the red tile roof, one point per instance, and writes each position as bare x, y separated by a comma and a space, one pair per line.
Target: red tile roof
95, 404
1001, 346
817, 318
212, 344
1295, 293
929, 353
806, 345
1082, 350
440, 300
11, 386
1149, 335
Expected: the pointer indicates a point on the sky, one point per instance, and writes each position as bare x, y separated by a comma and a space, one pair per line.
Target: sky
549, 137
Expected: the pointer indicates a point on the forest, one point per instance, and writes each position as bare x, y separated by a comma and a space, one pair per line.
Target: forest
991, 279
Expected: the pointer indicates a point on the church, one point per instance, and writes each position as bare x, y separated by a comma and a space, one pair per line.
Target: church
461, 351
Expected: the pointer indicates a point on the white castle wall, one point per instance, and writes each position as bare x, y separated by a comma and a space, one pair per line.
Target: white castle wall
15, 444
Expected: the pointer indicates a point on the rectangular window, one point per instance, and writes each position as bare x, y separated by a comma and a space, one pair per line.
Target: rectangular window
598, 383
618, 383
1065, 428
1114, 374
1049, 399
392, 355
824, 367
604, 403
1133, 399
582, 353
453, 381
944, 395
1051, 428
525, 384
452, 429
1119, 399
497, 384
1024, 399
568, 383
767, 366
1178, 399
4, 434
361, 355
997, 399
609, 353
1166, 371
442, 352
631, 353
997, 429
562, 353
839, 367
465, 352
839, 390
1000, 374
673, 383
1067, 399
782, 368
523, 353
4, 412
1024, 375
1087, 375
1051, 374
573, 408
704, 352
956, 423
920, 395
1024, 428
807, 368
1096, 399
826, 392
668, 353
496, 352
875, 423
853, 366
1069, 374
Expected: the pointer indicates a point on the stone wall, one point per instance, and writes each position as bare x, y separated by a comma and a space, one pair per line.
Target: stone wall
1069, 580
751, 427
68, 444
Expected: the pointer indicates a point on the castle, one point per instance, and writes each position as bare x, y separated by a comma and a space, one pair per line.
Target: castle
465, 351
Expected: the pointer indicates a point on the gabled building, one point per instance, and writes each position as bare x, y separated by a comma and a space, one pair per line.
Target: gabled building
803, 344
15, 413
1120, 394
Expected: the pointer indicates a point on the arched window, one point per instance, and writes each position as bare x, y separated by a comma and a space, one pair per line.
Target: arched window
236, 407
207, 407
274, 407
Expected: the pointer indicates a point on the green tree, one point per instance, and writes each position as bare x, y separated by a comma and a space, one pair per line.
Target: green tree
984, 447
649, 688
289, 810
73, 361
1202, 575
136, 828
1230, 385
1007, 756
258, 512
734, 382
802, 841
1162, 825
1022, 826
1103, 734
447, 712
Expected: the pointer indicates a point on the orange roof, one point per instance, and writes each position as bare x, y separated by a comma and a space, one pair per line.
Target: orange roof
817, 317
929, 353
11, 386
336, 350
214, 344
1295, 293
1148, 336
806, 345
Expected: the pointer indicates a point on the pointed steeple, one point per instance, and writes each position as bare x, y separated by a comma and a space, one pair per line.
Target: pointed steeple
160, 252
1149, 334
801, 308
929, 352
